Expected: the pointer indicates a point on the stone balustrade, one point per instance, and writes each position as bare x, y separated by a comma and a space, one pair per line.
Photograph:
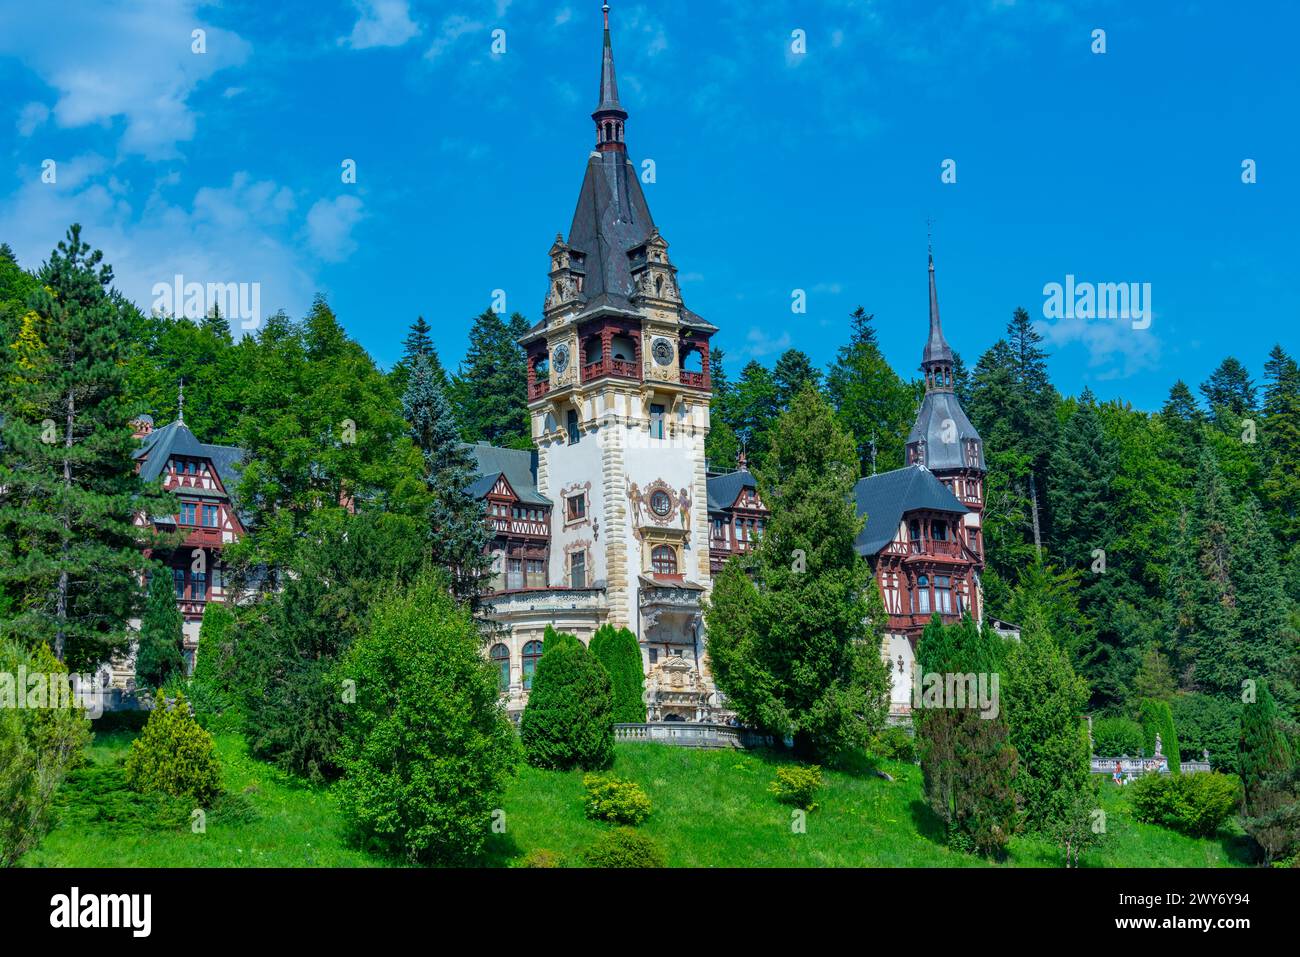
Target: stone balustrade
691, 735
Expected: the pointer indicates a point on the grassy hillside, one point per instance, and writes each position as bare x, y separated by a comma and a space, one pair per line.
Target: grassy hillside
711, 809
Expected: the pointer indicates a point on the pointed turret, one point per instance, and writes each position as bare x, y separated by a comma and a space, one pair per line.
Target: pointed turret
609, 115
936, 360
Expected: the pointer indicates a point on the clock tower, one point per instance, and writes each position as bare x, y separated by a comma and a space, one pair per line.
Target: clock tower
618, 390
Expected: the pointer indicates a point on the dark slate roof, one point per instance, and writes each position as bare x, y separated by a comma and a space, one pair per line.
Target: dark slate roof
724, 488
608, 96
936, 346
884, 498
611, 218
519, 466
937, 409
176, 439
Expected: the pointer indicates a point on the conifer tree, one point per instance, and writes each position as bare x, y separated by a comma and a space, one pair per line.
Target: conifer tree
871, 402
792, 648
618, 650
793, 371
69, 491
1184, 420
418, 342
490, 391
1280, 434
458, 533
159, 656
1044, 701
1263, 749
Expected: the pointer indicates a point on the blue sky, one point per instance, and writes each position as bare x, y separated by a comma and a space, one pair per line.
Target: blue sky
775, 170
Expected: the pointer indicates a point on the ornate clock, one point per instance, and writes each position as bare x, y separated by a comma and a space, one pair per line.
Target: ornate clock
662, 350
560, 358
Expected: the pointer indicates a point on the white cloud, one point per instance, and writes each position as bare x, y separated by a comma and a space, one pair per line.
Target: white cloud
453, 28
121, 59
1115, 349
758, 343
31, 116
383, 23
329, 227
223, 234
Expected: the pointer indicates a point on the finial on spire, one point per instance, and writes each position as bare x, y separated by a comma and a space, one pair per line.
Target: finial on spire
936, 359
609, 115
180, 402
929, 241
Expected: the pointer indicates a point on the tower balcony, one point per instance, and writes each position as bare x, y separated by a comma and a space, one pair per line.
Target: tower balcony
619, 368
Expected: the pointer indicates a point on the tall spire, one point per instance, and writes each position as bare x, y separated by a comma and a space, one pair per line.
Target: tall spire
609, 115
180, 402
936, 360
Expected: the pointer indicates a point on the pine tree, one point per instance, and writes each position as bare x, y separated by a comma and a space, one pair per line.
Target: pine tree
722, 446
1044, 701
1184, 420
1230, 394
1280, 434
754, 409
68, 486
490, 391
159, 657
791, 648
792, 372
458, 532
871, 402
1263, 749
417, 343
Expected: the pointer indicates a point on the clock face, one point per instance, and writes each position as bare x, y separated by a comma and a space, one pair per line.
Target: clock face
661, 503
662, 351
560, 358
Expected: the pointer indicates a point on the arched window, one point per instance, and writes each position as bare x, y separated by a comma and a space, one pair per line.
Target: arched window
663, 559
500, 655
532, 653
923, 595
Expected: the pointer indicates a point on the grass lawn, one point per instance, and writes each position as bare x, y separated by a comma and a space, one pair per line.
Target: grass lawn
711, 809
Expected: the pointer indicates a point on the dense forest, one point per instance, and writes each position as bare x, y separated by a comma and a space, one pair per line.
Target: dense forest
1163, 544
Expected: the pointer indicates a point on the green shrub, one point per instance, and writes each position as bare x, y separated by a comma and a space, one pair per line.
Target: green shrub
173, 755
1207, 723
894, 744
1156, 719
569, 721
609, 799
1113, 737
619, 651
1195, 804
625, 847
541, 858
38, 746
427, 748
797, 784
209, 686
158, 655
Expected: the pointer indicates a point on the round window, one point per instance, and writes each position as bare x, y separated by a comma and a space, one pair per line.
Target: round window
661, 503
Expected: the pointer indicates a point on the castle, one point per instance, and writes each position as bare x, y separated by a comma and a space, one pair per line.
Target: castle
614, 516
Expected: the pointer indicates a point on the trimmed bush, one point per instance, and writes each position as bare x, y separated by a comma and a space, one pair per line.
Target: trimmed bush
569, 718
797, 784
1114, 737
427, 748
618, 650
609, 799
1195, 804
625, 847
173, 755
1156, 719
894, 744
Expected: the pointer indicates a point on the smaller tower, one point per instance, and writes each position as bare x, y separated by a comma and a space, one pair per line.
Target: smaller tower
610, 115
943, 438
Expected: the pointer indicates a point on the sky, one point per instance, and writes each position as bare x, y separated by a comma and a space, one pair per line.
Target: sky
796, 146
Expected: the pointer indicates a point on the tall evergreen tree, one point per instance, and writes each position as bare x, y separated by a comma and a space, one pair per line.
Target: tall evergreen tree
159, 656
791, 647
1183, 419
792, 372
1263, 749
68, 487
1281, 440
1230, 394
871, 402
1044, 701
490, 391
754, 409
417, 343
458, 531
